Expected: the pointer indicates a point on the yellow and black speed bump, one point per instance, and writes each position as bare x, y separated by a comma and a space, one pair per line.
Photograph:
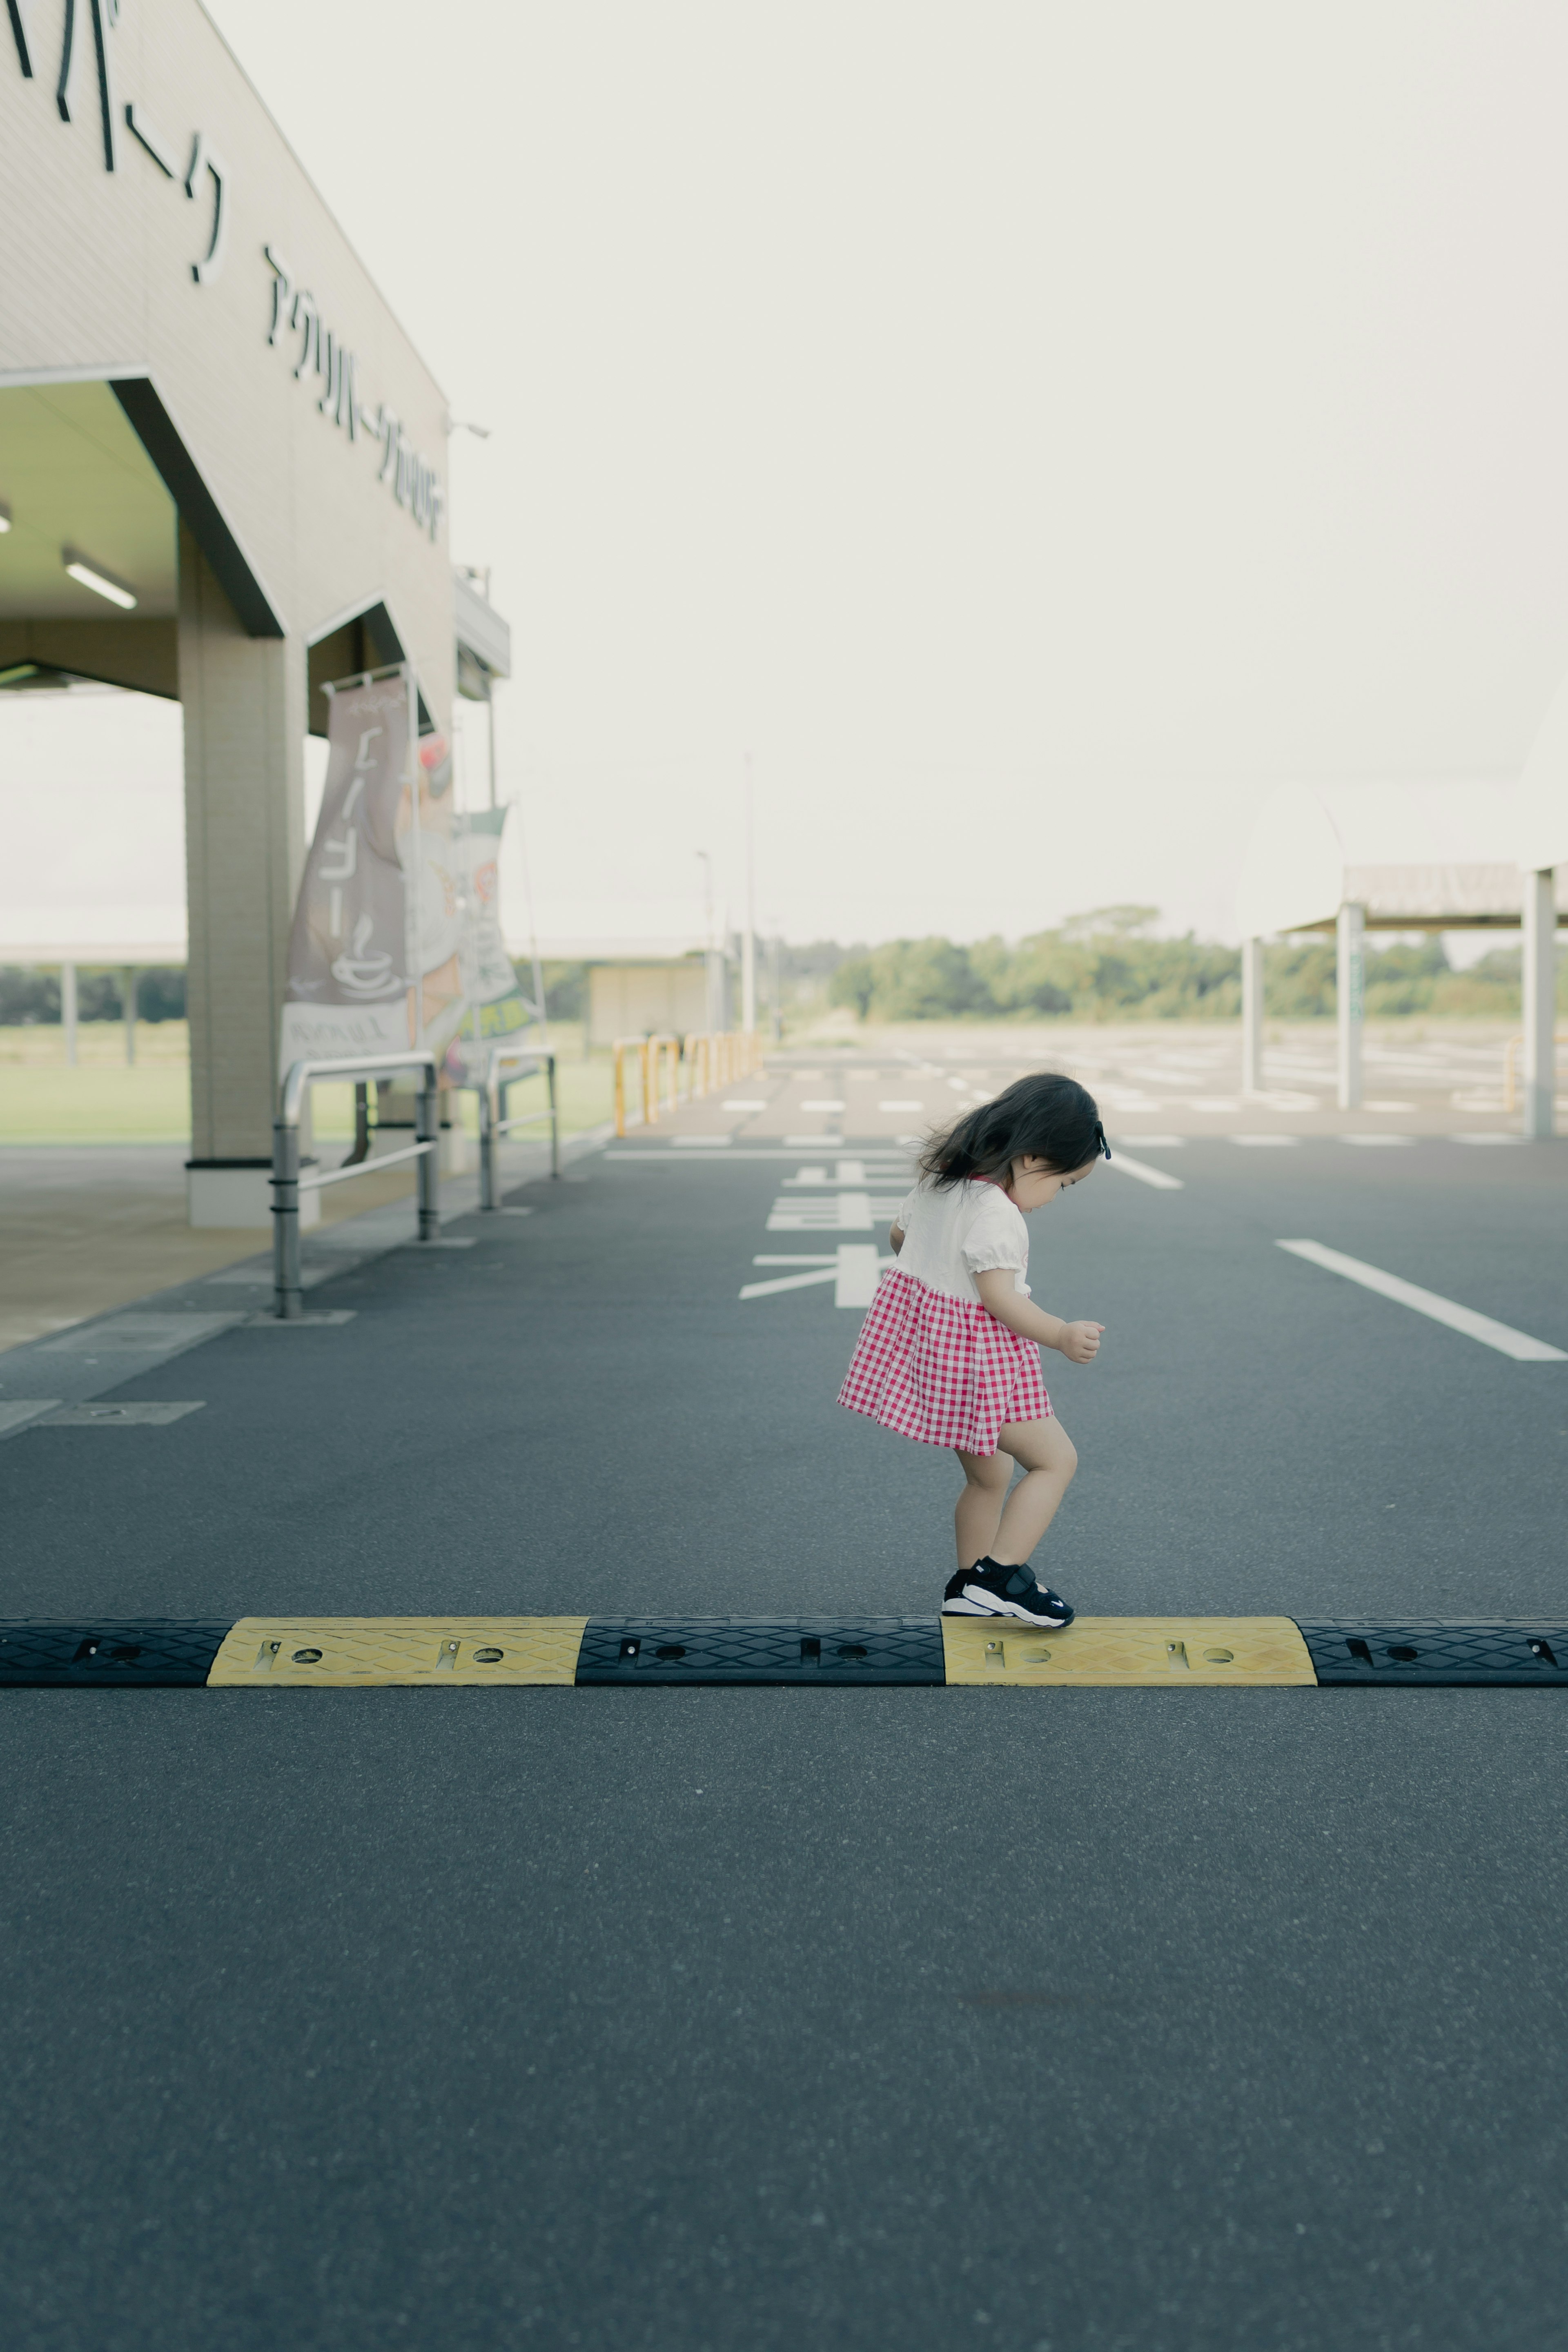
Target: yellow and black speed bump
1519, 1650
110, 1652
447, 1652
761, 1650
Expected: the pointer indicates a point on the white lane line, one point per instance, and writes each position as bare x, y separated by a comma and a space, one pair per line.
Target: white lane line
1500, 1336
1162, 1181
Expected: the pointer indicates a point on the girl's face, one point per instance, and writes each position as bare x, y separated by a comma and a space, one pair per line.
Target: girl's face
1036, 1181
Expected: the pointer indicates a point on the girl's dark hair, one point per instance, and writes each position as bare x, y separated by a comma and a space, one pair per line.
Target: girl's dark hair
1041, 1117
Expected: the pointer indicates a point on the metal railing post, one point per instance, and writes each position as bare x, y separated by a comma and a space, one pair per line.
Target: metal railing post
554, 1116
427, 1129
290, 1296
492, 1099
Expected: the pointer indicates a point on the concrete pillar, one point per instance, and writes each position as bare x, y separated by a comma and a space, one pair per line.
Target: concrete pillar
1350, 933
748, 981
244, 702
1252, 1016
128, 1012
67, 1011
1540, 962
718, 991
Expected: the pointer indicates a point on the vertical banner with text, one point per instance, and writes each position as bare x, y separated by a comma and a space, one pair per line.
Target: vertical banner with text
397, 937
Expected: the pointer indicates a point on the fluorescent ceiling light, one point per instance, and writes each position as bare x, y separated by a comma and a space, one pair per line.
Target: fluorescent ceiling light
98, 581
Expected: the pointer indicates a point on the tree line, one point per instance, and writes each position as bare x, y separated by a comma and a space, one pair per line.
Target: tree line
1107, 965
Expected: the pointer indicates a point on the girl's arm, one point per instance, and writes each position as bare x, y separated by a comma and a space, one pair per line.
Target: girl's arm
1079, 1342
896, 1236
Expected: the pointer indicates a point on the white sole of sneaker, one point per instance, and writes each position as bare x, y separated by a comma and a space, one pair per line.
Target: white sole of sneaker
989, 1606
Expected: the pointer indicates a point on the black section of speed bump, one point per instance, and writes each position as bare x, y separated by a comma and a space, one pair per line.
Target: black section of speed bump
812, 1650
1436, 1650
109, 1653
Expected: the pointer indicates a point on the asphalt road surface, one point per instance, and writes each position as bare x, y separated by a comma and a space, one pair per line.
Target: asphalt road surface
1050, 2021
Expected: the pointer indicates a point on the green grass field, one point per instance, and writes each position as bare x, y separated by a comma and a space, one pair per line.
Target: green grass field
103, 1101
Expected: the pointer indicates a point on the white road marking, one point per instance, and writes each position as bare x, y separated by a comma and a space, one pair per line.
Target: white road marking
1158, 1177
698, 1143
734, 1104
1388, 1106
824, 1212
1486, 1137
825, 1103
1375, 1139
853, 1270
1153, 1143
1500, 1336
16, 1412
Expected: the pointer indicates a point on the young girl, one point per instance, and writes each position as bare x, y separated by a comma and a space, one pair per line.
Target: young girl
949, 1352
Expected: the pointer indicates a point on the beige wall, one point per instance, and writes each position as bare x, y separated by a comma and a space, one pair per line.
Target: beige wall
628, 1000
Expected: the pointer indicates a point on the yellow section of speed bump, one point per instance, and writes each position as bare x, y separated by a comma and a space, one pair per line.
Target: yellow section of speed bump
1172, 1652
338, 1652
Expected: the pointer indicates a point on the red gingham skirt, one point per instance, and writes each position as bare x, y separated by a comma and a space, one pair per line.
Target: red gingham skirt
940, 1369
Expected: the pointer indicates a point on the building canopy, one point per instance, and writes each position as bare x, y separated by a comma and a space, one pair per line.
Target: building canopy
1417, 857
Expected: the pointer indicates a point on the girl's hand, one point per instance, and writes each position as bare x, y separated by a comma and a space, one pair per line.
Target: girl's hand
1080, 1342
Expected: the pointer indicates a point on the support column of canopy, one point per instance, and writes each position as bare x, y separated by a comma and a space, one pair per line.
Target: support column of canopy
245, 713
1252, 1016
128, 1010
1349, 941
68, 1011
1540, 975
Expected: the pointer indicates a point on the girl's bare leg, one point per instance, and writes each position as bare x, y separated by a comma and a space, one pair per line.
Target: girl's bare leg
1047, 1457
978, 1512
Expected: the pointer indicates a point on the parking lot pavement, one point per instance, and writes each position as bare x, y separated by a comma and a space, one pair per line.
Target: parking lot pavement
744, 2017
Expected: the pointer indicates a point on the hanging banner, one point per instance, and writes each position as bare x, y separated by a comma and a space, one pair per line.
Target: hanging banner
496, 1010
397, 939
348, 989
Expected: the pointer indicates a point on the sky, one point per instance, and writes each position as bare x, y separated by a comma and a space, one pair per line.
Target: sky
1027, 430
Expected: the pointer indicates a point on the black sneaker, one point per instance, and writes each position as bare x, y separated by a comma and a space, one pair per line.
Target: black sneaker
988, 1591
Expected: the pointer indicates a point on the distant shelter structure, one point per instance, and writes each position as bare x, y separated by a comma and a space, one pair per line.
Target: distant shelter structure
1449, 856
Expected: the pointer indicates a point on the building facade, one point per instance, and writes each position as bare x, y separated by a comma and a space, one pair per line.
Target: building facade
223, 479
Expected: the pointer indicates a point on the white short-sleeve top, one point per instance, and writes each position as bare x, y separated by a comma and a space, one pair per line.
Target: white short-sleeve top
954, 1232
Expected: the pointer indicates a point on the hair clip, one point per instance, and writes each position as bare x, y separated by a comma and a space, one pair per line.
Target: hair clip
1100, 1138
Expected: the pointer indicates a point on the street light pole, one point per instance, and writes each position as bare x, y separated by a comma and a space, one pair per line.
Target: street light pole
749, 943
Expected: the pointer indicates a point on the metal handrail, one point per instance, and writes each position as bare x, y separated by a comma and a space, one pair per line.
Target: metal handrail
492, 1091
288, 1184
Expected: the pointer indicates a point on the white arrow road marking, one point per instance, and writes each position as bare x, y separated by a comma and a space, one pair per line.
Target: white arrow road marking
1500, 1336
852, 1269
